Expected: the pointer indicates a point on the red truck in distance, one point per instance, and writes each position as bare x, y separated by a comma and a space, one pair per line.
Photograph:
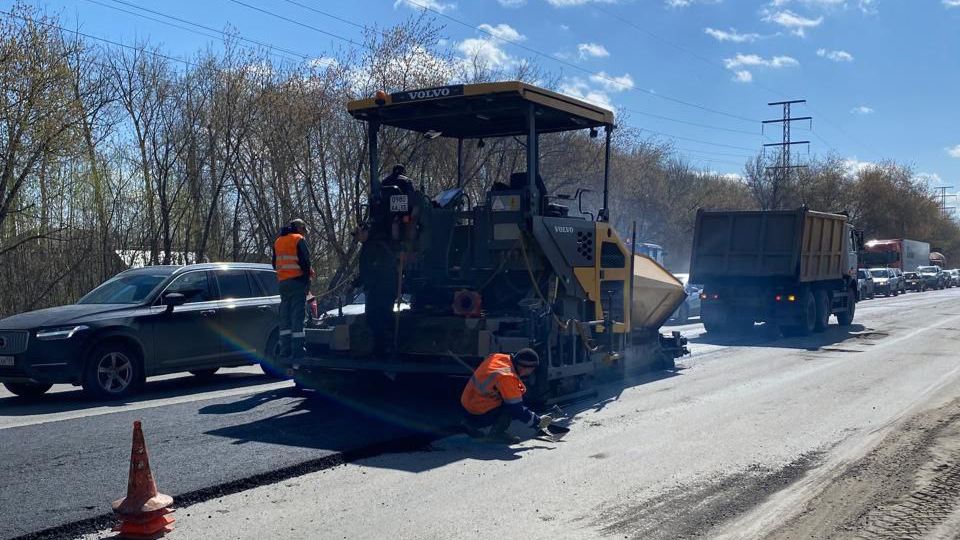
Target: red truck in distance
900, 253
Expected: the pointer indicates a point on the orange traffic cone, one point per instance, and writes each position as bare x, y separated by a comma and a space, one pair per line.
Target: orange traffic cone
143, 512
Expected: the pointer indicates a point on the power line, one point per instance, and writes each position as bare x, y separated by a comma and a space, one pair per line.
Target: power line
706, 126
698, 140
104, 40
722, 67
296, 22
325, 14
530, 49
305, 56
151, 18
575, 66
172, 17
714, 153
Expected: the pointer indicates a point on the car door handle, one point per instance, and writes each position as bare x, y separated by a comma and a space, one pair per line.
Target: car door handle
263, 308
208, 312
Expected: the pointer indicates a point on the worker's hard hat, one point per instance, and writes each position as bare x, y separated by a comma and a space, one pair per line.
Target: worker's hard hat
526, 358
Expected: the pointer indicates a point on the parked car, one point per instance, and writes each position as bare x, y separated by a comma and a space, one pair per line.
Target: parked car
144, 322
885, 281
901, 281
953, 277
865, 284
914, 281
691, 306
933, 276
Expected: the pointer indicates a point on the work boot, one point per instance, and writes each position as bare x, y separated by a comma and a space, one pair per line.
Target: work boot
502, 437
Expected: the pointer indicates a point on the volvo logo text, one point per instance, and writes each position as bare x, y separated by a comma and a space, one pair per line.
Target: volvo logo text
433, 93
566, 230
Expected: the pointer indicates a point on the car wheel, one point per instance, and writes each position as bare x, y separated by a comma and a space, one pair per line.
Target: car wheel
113, 371
269, 363
27, 390
204, 373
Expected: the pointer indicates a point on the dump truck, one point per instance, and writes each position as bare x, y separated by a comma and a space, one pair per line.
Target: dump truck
790, 268
900, 253
508, 268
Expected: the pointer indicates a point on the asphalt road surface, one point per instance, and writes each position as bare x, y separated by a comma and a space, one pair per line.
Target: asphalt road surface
741, 442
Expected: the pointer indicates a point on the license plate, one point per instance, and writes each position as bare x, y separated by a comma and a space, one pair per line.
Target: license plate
398, 203
6, 360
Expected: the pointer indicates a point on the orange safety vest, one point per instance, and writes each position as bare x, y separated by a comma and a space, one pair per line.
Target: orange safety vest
492, 384
287, 265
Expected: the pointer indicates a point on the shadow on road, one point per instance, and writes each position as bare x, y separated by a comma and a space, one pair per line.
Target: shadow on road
405, 419
74, 400
764, 335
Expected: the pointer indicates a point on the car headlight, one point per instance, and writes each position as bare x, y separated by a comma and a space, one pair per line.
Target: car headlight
65, 332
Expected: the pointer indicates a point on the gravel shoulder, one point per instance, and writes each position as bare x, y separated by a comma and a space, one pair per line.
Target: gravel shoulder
907, 488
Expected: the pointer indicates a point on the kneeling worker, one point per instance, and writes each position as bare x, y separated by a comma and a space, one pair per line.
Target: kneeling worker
494, 395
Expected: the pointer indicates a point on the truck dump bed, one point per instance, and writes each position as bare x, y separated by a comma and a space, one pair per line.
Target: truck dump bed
797, 245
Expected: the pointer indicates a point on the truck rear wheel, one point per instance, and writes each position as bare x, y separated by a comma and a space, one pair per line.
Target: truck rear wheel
823, 311
808, 318
846, 318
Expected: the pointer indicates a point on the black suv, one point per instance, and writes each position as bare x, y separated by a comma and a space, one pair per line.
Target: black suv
144, 322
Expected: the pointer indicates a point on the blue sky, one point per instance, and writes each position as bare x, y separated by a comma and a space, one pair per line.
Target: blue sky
881, 77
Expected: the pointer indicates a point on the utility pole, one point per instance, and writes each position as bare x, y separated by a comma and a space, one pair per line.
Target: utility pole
943, 197
786, 144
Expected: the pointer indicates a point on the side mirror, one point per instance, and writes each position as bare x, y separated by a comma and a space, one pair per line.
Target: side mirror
579, 197
173, 300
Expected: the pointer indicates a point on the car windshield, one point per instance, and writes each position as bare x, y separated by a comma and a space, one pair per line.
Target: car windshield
911, 274
927, 269
862, 274
878, 272
124, 289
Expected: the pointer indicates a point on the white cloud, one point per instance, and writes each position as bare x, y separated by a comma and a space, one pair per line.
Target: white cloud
811, 2
775, 62
564, 27
503, 31
836, 56
796, 24
854, 165
485, 50
568, 3
930, 178
954, 152
611, 83
862, 109
488, 49
580, 89
951, 3
741, 61
512, 3
731, 35
592, 50
322, 62
743, 76
425, 4
685, 3
865, 5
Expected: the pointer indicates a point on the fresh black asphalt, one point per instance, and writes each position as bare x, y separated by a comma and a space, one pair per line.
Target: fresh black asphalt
62, 472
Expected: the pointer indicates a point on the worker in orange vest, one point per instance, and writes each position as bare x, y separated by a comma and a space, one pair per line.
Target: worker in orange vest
494, 395
291, 260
